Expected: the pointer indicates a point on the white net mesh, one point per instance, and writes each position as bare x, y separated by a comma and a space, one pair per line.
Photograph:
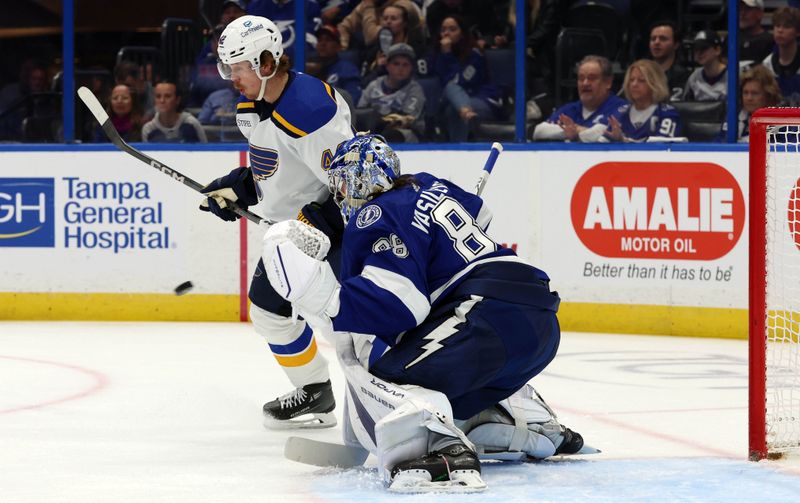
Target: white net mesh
783, 288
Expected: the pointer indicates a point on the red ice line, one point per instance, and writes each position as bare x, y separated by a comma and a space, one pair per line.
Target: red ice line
100, 382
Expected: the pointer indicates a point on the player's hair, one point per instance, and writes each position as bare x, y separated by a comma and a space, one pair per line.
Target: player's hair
653, 75
283, 63
768, 83
405, 181
606, 69
786, 16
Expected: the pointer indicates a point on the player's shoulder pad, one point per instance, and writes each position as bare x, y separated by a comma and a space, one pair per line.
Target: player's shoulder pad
248, 106
306, 105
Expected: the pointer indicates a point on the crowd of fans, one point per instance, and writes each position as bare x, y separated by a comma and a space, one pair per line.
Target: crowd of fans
417, 70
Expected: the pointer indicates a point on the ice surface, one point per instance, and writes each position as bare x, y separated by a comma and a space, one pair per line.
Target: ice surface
151, 412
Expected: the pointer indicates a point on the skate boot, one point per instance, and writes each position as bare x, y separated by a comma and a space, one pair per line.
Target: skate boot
572, 442
308, 407
453, 469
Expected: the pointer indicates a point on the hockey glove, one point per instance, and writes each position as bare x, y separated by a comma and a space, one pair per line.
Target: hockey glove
237, 186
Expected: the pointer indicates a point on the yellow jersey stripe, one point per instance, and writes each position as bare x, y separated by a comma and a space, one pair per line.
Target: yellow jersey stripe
330, 91
287, 125
300, 358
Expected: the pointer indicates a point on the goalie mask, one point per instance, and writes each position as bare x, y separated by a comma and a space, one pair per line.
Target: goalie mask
361, 169
244, 39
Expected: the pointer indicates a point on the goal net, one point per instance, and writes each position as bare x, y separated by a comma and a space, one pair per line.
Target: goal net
774, 283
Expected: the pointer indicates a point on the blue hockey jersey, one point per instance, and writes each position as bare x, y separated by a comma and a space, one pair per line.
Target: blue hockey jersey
664, 122
574, 111
407, 250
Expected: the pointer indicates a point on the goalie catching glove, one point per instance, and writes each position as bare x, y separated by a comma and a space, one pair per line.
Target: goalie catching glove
235, 187
293, 253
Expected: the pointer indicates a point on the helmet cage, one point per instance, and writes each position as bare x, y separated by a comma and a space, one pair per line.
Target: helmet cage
363, 168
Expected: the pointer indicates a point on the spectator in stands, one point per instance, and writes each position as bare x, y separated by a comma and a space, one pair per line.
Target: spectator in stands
461, 69
231, 9
759, 90
125, 113
134, 76
398, 26
333, 11
664, 43
205, 78
219, 108
32, 79
784, 63
327, 65
585, 120
281, 12
360, 28
755, 43
171, 125
648, 116
478, 15
710, 81
396, 99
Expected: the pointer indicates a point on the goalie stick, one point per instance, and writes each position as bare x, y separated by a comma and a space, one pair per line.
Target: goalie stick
94, 106
330, 454
488, 167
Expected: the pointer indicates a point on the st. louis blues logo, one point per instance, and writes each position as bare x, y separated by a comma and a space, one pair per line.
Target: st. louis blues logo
264, 163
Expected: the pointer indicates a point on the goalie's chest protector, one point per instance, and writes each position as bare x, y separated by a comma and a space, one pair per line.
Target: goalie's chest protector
291, 144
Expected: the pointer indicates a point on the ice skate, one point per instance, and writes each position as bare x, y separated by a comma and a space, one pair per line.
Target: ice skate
454, 469
310, 406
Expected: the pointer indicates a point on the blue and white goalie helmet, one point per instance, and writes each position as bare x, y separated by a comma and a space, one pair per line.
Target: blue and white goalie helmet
361, 169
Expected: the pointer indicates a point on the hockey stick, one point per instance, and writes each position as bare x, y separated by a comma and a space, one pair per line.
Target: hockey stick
94, 106
488, 167
318, 453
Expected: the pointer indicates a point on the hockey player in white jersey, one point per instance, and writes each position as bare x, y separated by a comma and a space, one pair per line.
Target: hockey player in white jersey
439, 328
294, 123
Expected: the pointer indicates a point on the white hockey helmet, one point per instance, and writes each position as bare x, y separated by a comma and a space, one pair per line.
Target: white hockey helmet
244, 39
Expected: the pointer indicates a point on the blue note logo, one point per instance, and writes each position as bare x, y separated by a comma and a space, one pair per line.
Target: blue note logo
26, 212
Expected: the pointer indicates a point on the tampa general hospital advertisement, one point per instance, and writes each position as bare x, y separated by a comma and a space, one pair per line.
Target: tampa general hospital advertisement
634, 241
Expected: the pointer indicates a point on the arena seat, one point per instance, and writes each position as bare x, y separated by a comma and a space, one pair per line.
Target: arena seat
572, 45
148, 58
500, 63
433, 95
600, 16
180, 43
701, 131
700, 111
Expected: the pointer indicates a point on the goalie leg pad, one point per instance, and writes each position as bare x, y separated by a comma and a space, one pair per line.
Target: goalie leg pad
396, 423
521, 426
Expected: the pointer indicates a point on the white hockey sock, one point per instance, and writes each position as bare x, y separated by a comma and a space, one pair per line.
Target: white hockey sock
294, 346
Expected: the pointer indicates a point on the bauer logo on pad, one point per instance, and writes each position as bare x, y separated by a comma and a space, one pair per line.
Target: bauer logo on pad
26, 212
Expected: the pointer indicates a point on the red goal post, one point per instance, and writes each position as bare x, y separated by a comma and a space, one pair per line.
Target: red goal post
774, 290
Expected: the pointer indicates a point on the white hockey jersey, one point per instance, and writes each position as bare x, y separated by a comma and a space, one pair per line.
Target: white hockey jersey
292, 143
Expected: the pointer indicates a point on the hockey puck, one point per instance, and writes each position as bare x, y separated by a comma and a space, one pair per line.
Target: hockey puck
183, 288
